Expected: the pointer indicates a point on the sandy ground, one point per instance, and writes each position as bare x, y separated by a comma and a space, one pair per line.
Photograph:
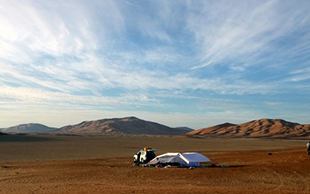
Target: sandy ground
251, 169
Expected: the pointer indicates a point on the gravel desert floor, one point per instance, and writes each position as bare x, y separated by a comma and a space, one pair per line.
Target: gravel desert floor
255, 166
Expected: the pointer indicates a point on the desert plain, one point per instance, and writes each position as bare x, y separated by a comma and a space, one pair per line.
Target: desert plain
104, 164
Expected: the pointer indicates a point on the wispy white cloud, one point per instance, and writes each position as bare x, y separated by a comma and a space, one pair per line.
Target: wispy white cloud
300, 75
32, 30
63, 53
23, 95
29, 95
127, 53
245, 33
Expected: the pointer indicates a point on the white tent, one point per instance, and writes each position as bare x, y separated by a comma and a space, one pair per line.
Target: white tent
184, 159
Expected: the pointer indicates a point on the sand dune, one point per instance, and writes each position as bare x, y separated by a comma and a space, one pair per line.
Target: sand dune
268, 128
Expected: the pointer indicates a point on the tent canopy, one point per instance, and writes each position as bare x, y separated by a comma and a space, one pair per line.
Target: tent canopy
184, 159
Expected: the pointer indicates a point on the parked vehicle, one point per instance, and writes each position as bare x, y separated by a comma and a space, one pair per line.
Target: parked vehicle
144, 156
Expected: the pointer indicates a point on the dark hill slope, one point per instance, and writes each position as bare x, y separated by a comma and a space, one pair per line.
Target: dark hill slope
127, 125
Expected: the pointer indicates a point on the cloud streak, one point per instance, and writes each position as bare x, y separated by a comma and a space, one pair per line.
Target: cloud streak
125, 54
247, 33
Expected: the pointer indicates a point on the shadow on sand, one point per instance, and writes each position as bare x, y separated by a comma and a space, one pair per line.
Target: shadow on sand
24, 138
237, 166
225, 166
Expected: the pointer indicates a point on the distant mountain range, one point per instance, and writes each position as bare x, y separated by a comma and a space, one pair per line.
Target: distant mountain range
262, 128
127, 125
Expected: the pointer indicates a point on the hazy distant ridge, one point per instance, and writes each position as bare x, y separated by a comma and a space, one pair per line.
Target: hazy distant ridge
185, 128
28, 128
270, 128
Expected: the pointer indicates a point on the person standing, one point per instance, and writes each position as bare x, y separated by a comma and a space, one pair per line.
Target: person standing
308, 148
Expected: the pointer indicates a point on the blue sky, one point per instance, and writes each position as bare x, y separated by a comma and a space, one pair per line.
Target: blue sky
180, 63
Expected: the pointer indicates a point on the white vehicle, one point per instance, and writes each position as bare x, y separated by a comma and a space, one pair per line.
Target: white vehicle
144, 156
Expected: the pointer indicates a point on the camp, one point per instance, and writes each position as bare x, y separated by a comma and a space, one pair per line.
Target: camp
192, 159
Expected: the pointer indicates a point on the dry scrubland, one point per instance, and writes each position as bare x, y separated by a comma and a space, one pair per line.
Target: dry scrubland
101, 164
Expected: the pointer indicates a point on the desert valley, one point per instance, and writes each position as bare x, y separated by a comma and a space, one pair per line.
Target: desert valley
261, 156
154, 97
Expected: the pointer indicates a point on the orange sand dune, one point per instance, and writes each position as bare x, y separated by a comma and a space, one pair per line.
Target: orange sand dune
271, 128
